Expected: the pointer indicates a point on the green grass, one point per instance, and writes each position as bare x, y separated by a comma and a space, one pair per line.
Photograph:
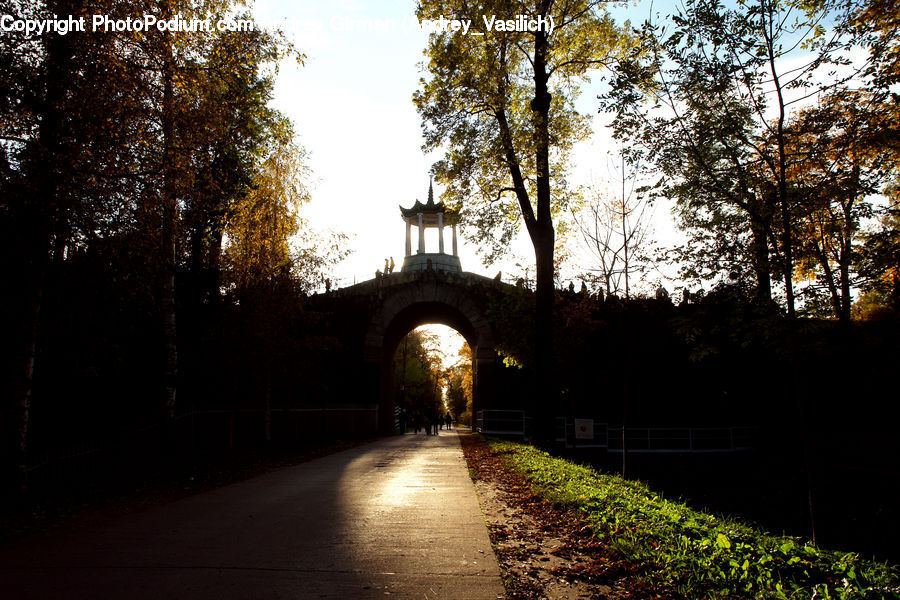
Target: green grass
698, 555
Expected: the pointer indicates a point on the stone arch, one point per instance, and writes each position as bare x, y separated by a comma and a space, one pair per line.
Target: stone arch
403, 309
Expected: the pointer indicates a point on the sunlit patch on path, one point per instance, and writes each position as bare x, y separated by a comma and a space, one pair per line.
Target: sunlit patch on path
396, 517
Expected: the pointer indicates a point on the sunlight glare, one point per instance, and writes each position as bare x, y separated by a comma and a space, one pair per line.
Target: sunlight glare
449, 342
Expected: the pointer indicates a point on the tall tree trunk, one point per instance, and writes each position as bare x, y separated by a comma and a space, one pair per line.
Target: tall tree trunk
543, 239
788, 251
761, 264
626, 393
38, 212
846, 253
539, 224
25, 351
626, 381
543, 323
781, 171
844, 268
169, 221
822, 255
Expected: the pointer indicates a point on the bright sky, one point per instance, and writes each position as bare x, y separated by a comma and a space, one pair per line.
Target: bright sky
351, 103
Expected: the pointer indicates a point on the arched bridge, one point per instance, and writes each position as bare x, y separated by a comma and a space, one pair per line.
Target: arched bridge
378, 313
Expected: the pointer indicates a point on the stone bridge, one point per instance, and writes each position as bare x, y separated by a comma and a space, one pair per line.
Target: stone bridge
390, 306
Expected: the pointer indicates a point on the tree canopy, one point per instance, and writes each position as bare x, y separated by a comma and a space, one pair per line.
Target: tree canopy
754, 118
137, 160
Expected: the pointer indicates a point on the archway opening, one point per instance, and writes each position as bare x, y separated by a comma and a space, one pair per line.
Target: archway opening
432, 376
429, 298
398, 406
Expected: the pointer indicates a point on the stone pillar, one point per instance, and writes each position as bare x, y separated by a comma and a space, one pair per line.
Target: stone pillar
421, 235
408, 240
454, 239
441, 233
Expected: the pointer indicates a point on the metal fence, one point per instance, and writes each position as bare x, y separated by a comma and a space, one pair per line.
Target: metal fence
501, 422
587, 433
681, 439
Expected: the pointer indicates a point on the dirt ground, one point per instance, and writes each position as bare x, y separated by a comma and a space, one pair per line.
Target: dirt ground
544, 552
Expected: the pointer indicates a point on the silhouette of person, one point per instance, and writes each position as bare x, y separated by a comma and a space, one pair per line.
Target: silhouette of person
449, 421
391, 266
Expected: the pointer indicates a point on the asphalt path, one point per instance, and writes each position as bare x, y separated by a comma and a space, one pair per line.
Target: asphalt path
395, 518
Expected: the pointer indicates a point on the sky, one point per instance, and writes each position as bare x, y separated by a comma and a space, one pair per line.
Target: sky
351, 104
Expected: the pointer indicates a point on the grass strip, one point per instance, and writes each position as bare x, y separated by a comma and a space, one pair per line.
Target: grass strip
696, 554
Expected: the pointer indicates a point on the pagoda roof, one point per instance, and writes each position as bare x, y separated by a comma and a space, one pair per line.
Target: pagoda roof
429, 208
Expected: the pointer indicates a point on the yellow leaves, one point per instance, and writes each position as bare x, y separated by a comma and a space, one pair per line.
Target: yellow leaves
261, 224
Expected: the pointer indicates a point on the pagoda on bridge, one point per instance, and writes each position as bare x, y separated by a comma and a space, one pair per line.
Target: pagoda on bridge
424, 216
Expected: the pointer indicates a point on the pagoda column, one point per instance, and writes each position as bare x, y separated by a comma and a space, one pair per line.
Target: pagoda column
441, 233
421, 236
454, 239
408, 240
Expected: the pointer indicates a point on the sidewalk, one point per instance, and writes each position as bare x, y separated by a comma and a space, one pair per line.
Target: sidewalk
398, 517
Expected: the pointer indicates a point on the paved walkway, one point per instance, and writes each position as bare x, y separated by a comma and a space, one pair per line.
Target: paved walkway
398, 517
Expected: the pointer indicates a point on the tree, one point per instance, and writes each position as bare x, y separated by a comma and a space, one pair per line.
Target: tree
879, 258
614, 229
262, 222
459, 386
418, 372
38, 153
708, 103
876, 25
840, 160
103, 165
502, 104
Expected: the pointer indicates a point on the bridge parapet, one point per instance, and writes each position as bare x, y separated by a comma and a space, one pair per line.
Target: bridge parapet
392, 280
